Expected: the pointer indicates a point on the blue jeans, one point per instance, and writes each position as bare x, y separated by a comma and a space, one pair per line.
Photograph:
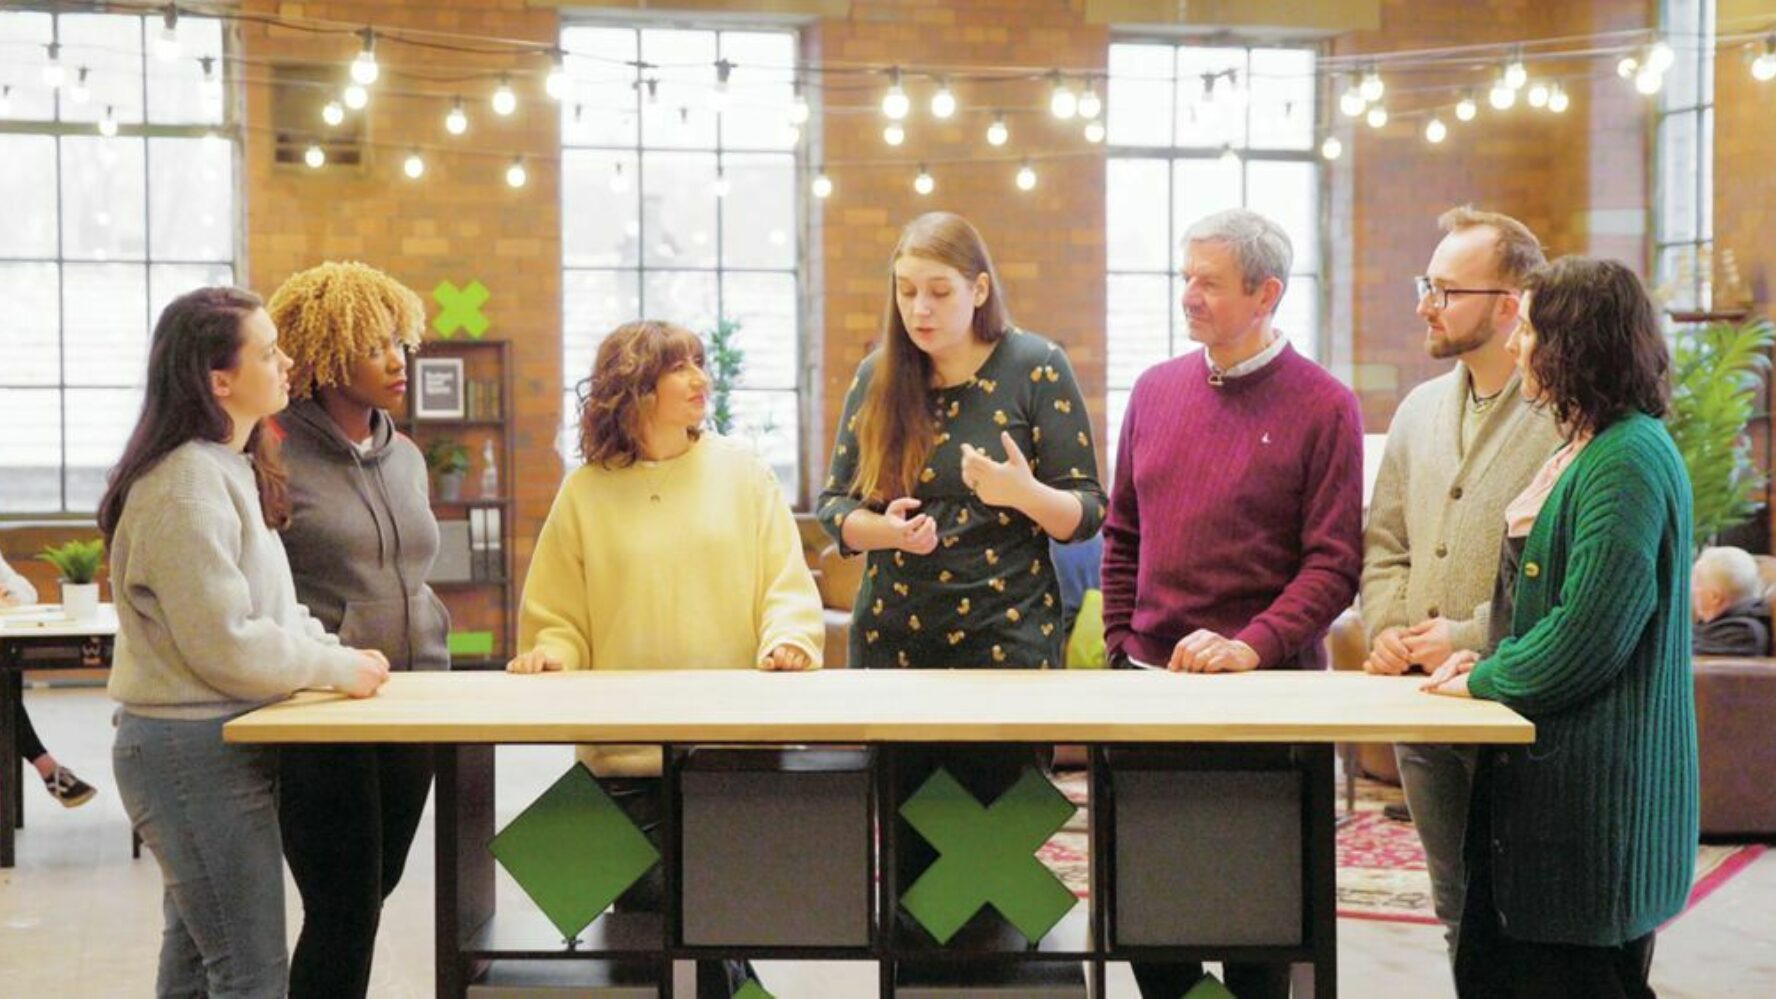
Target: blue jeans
1438, 780
208, 811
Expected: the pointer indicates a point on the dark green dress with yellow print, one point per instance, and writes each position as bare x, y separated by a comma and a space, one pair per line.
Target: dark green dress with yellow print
987, 595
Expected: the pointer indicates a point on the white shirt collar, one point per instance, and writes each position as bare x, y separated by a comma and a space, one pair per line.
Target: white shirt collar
1250, 364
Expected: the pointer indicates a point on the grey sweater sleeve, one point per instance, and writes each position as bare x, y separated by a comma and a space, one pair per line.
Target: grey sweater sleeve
15, 585
185, 569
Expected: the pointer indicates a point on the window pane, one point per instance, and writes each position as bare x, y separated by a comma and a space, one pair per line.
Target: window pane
1138, 236
760, 89
1138, 99
687, 298
1291, 199
176, 89
593, 304
105, 323
600, 206
604, 88
759, 212
23, 37
679, 118
102, 198
678, 209
1211, 116
1677, 168
191, 207
1282, 110
168, 281
99, 423
769, 421
32, 457
1200, 188
110, 48
33, 326
1298, 315
28, 176
1116, 405
1138, 329
765, 307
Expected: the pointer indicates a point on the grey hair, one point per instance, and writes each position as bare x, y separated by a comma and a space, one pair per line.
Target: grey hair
1733, 570
1260, 246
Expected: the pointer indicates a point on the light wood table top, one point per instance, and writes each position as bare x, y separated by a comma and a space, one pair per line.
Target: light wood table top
865, 706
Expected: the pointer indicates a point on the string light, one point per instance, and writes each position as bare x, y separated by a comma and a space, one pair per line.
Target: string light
80, 93
799, 111
997, 133
556, 84
1502, 95
1062, 102
515, 174
619, 179
333, 114
504, 100
1230, 157
166, 43
895, 104
1377, 117
1094, 132
1090, 104
212, 85
1436, 131
1660, 57
718, 98
413, 166
54, 75
1372, 87
1026, 177
315, 157
1557, 100
893, 134
1538, 95
1648, 80
1516, 74
923, 183
1763, 68
108, 124
1627, 66
364, 70
1331, 149
720, 188
456, 122
1467, 108
943, 103
6, 101
1351, 103
356, 97
823, 185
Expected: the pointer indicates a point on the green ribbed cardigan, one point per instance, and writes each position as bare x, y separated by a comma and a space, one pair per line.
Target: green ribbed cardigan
1594, 826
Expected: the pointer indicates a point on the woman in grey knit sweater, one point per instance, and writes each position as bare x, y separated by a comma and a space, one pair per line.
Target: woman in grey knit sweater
208, 628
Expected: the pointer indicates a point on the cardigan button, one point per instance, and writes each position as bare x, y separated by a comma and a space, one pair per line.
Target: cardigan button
1432, 612
1442, 551
1455, 493
1531, 570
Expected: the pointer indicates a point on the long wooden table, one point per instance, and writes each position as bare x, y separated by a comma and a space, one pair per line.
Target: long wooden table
1300, 714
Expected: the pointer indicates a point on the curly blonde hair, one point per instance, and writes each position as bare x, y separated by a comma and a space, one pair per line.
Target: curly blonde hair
331, 315
629, 364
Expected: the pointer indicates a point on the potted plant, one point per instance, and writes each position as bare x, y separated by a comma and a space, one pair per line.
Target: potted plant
78, 563
1716, 371
449, 461
725, 362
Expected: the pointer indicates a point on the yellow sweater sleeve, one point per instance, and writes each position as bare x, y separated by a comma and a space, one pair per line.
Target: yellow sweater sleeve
788, 602
553, 614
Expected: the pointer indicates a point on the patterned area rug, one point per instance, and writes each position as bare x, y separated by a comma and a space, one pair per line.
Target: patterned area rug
1381, 867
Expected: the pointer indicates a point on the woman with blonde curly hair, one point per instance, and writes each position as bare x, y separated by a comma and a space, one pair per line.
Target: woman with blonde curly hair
671, 548
361, 541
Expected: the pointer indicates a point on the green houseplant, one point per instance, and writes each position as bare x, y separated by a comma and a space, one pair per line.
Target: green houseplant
1716, 371
449, 461
724, 360
78, 564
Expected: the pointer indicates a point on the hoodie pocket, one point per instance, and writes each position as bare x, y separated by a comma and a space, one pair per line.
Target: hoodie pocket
376, 624
431, 630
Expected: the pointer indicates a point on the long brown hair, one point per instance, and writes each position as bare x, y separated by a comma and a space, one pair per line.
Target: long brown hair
629, 364
199, 332
894, 431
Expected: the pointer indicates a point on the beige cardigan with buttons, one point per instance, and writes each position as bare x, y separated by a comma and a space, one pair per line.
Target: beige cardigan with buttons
1431, 545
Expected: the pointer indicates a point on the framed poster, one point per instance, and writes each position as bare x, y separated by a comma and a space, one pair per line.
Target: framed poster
442, 392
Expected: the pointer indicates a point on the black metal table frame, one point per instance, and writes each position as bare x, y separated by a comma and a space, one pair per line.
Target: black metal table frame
470, 934
20, 651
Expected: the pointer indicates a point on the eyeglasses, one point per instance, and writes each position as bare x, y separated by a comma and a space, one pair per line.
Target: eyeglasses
1440, 296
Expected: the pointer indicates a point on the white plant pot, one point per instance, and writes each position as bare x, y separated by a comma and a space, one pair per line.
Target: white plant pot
80, 600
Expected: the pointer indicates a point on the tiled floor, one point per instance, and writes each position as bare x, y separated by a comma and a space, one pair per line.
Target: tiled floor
78, 918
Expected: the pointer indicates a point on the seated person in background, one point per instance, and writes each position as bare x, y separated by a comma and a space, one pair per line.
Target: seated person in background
63, 786
1732, 613
1076, 569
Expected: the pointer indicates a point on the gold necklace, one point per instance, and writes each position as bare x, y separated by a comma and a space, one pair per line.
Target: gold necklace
654, 484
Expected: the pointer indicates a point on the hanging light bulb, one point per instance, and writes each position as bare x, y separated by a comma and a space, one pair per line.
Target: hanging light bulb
1026, 177
1094, 132
315, 157
1503, 95
1627, 66
823, 185
1557, 99
6, 101
1516, 74
718, 98
799, 111
619, 180
515, 174
1090, 104
1331, 149
214, 142
504, 100
364, 70
1648, 80
1377, 117
1230, 157
720, 187
166, 43
1763, 68
893, 134
997, 133
1436, 131
943, 103
791, 135
1467, 108
80, 93
108, 124
212, 85
1538, 95
356, 96
1660, 57
1351, 103
923, 183
413, 166
1062, 102
556, 83
333, 113
456, 122
54, 74
895, 104
1372, 87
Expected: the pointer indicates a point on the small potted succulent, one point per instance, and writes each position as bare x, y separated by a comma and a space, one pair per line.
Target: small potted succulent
449, 461
78, 563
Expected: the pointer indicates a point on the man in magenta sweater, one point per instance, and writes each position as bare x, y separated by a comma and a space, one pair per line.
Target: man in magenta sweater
1234, 536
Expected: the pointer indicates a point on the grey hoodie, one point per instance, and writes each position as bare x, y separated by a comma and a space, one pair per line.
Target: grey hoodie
362, 537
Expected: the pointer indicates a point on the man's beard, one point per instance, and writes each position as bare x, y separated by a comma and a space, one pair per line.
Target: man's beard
1455, 345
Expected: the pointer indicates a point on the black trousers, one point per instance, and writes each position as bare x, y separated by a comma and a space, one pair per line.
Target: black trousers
348, 815
30, 747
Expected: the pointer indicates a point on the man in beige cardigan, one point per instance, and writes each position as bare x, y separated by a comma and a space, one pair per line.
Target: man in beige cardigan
1460, 447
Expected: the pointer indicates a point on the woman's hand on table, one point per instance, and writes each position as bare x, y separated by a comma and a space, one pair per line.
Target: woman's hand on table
1451, 678
369, 673
786, 659
535, 661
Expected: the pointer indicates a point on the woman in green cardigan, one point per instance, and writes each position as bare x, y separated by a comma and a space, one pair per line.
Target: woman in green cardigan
1580, 845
